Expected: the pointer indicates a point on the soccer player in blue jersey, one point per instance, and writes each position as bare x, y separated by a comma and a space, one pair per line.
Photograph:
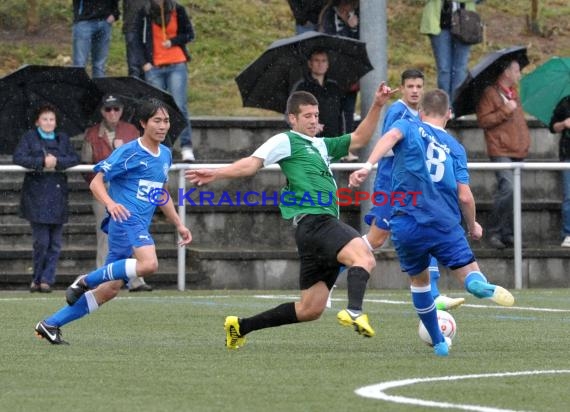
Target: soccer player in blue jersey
430, 166
412, 87
137, 173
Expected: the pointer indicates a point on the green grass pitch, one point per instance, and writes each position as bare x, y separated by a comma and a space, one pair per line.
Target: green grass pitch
164, 351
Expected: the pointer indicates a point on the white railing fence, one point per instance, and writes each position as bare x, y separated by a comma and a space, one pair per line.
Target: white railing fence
517, 168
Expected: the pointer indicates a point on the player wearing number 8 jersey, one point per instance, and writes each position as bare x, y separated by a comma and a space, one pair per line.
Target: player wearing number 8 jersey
430, 161
134, 171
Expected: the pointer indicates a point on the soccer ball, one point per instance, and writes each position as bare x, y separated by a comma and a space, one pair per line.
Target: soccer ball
447, 326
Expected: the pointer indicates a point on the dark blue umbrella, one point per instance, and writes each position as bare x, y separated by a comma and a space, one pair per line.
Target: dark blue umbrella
22, 92
484, 74
266, 83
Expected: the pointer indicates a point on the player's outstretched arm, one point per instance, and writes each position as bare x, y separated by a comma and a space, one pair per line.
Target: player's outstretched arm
467, 205
386, 142
363, 133
246, 166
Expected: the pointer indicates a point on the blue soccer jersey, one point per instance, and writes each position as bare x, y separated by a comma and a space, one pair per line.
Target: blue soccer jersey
133, 172
430, 163
380, 213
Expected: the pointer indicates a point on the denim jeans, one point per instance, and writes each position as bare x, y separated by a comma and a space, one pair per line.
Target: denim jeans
451, 58
566, 202
91, 37
174, 79
47, 247
133, 65
501, 222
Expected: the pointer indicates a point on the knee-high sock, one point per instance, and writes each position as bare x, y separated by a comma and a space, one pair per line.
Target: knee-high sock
85, 304
434, 277
283, 314
124, 270
476, 283
425, 307
356, 284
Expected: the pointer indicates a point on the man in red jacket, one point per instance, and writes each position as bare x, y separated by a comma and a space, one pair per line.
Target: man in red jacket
100, 140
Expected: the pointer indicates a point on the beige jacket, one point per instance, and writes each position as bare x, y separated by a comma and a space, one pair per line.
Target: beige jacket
506, 134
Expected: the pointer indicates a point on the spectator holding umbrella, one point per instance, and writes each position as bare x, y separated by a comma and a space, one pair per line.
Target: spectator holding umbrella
500, 115
44, 193
560, 123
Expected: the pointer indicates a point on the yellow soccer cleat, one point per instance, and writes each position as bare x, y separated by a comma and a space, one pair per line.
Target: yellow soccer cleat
359, 323
502, 296
233, 338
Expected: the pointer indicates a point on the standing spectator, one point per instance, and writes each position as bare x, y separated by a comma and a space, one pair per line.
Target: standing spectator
500, 115
130, 11
132, 171
560, 123
163, 29
340, 18
99, 141
92, 24
451, 55
326, 91
306, 14
44, 193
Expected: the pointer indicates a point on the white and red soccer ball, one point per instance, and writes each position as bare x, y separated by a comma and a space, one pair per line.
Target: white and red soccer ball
447, 325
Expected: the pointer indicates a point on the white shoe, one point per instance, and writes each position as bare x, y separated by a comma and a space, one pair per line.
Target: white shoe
446, 303
566, 242
188, 154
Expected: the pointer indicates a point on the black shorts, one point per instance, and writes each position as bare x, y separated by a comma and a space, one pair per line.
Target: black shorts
319, 239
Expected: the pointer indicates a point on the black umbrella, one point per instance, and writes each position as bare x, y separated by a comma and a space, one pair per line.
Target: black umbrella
68, 89
484, 74
133, 91
267, 82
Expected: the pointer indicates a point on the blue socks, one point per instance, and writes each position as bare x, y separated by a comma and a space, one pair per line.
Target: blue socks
124, 270
476, 284
85, 304
434, 276
425, 307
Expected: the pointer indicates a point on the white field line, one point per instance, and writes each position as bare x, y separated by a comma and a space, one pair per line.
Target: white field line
377, 391
296, 297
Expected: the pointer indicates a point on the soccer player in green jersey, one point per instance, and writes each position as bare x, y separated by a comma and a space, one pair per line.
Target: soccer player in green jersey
324, 242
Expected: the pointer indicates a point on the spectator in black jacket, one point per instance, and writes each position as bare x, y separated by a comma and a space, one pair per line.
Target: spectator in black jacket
560, 123
306, 13
92, 23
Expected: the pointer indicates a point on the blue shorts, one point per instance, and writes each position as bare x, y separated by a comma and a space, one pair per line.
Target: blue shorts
380, 215
415, 243
126, 236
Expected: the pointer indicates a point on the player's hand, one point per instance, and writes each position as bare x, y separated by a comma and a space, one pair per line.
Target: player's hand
357, 177
384, 93
476, 232
185, 236
118, 212
200, 176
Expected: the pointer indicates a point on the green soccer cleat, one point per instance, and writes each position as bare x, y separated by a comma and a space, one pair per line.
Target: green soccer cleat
233, 338
446, 303
360, 323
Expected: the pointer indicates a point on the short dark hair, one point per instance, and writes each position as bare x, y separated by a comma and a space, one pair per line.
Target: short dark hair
149, 108
435, 103
298, 99
412, 74
45, 107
